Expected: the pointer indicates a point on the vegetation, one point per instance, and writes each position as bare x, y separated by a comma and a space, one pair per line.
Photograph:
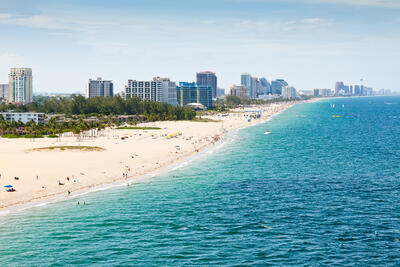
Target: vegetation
22, 136
17, 129
79, 105
138, 128
84, 114
62, 148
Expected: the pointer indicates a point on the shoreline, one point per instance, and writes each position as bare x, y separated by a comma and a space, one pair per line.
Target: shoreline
176, 163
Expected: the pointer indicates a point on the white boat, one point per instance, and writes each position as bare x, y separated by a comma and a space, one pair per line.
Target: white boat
267, 132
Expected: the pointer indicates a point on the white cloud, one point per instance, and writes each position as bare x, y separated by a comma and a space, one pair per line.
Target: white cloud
375, 3
282, 25
5, 15
380, 3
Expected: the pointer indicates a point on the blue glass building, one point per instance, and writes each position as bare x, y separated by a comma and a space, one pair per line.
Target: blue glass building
194, 93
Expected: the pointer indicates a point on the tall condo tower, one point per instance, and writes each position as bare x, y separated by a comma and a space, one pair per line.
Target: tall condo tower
99, 87
208, 78
20, 85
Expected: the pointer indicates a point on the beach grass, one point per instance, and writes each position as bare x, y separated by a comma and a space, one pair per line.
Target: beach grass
63, 148
12, 136
138, 128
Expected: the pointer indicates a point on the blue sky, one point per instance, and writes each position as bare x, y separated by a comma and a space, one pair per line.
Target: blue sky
310, 43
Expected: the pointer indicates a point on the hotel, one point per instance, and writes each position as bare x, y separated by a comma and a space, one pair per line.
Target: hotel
159, 89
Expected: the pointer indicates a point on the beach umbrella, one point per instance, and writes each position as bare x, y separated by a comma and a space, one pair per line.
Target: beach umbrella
8, 186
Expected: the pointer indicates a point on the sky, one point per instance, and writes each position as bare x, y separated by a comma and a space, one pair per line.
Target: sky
309, 43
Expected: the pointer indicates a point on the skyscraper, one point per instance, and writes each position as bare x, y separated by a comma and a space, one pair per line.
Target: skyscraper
168, 90
20, 85
188, 93
4, 92
208, 78
264, 87
99, 87
338, 87
289, 92
245, 80
277, 85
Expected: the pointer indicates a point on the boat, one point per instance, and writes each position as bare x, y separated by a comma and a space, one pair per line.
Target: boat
267, 132
336, 116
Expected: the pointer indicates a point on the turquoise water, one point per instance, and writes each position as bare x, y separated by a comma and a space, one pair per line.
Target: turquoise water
318, 191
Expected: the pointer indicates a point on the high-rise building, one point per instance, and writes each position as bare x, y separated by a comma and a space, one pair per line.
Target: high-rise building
208, 78
159, 89
250, 83
99, 87
264, 87
322, 92
239, 91
253, 88
357, 90
20, 85
4, 92
289, 92
168, 90
188, 93
277, 86
338, 87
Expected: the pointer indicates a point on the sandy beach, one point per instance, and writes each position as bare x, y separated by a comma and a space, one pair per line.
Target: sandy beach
41, 174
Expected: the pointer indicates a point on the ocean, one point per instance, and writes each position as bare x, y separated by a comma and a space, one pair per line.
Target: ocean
317, 191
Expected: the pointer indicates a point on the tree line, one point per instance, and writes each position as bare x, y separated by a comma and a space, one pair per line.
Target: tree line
79, 105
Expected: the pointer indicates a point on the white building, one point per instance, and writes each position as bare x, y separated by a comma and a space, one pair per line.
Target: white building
99, 87
289, 92
159, 89
22, 116
20, 85
4, 92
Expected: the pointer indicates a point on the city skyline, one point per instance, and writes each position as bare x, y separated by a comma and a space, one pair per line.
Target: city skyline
309, 43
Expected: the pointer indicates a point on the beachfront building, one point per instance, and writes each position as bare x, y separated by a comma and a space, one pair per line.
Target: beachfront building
250, 83
339, 86
208, 78
263, 87
99, 87
22, 116
322, 92
289, 92
4, 92
159, 89
239, 91
277, 85
188, 93
20, 85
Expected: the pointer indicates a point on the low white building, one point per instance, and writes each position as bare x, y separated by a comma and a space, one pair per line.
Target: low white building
22, 116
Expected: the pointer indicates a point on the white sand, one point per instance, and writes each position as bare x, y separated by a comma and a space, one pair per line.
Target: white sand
144, 151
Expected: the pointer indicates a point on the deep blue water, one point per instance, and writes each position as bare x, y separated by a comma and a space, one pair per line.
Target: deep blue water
318, 191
